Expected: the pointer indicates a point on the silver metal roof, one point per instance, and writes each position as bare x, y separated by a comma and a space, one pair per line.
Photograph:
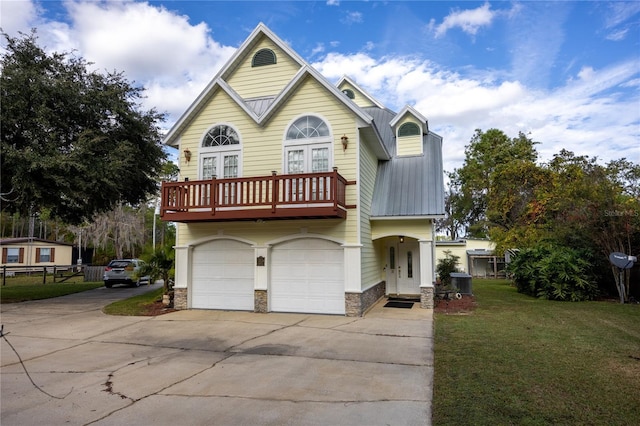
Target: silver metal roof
260, 105
411, 185
381, 119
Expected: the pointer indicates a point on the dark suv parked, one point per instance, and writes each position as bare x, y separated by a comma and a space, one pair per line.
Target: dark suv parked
124, 271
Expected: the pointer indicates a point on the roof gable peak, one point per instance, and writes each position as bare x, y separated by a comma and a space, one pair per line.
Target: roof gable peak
345, 80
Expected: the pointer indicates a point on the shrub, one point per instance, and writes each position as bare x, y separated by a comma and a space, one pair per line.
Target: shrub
553, 272
446, 266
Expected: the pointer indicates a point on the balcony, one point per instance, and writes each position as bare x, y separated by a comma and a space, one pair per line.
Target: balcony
295, 196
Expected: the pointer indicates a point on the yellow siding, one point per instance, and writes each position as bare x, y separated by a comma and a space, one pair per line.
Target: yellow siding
409, 145
62, 255
360, 98
474, 244
456, 250
415, 228
268, 80
262, 233
460, 249
262, 152
370, 265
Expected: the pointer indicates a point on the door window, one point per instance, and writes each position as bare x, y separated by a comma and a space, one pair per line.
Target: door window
392, 257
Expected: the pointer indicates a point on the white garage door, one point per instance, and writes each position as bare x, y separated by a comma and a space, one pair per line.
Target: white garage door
307, 275
223, 276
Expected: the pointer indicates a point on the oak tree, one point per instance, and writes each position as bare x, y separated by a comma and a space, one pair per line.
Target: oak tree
75, 142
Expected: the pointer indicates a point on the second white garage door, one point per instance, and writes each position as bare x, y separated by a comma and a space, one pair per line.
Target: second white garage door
223, 276
307, 275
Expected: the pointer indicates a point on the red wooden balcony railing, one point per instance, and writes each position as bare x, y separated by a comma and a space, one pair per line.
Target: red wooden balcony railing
296, 196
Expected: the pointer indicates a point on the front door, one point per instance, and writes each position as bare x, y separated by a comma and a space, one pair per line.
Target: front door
408, 268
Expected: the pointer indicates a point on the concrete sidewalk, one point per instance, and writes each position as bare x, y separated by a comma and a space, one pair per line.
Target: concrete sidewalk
215, 367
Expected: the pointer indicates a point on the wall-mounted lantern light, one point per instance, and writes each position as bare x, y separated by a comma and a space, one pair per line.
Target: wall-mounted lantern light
345, 142
187, 155
401, 238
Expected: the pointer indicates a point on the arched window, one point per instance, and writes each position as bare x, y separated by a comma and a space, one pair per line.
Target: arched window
308, 146
307, 127
220, 155
220, 136
409, 129
263, 57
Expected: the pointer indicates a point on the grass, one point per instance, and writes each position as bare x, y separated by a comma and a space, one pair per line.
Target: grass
137, 305
29, 287
525, 361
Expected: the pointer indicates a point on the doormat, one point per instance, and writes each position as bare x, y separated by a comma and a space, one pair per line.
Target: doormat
397, 304
404, 299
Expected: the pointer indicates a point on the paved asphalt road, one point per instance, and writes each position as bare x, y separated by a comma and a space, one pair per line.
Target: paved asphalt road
212, 367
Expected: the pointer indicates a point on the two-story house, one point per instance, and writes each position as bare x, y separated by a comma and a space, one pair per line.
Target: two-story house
298, 195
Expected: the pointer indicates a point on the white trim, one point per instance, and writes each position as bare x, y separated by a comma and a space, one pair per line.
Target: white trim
408, 109
307, 144
261, 274
358, 87
291, 237
426, 263
210, 238
437, 216
352, 268
220, 154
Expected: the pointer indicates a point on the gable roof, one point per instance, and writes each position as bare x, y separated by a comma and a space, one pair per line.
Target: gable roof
408, 109
411, 186
363, 92
262, 110
27, 240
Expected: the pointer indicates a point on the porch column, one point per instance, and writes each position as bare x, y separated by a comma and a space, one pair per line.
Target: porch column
183, 277
261, 278
352, 280
427, 288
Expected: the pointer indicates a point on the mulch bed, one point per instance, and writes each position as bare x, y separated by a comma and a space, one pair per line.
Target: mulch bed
157, 308
466, 305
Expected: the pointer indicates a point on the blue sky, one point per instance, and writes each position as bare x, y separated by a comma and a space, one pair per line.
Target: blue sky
566, 73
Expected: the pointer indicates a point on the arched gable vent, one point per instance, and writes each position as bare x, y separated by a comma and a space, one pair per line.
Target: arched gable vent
263, 57
409, 129
349, 93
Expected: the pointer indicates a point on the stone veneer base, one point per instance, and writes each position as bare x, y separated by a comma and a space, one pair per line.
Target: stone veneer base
180, 298
426, 297
260, 301
356, 304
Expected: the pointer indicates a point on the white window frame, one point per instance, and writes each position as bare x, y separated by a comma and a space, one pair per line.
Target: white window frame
220, 152
307, 145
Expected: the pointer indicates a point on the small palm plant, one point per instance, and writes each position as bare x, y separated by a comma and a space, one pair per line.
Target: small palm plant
159, 265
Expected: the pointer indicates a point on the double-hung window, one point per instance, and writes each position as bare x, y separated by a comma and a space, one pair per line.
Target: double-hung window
13, 255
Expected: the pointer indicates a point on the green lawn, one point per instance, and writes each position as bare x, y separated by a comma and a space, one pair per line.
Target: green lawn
517, 360
136, 305
29, 287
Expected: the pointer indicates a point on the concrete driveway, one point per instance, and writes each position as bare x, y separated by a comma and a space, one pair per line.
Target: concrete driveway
213, 367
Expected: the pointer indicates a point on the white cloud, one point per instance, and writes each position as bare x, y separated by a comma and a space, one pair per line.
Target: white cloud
333, 2
171, 57
318, 49
620, 12
352, 18
469, 21
578, 117
18, 16
174, 59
